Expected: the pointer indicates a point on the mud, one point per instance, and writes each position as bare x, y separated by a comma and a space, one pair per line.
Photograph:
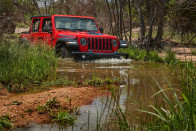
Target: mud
19, 112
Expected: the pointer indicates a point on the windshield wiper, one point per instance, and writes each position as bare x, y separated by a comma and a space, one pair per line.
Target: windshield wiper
79, 30
63, 28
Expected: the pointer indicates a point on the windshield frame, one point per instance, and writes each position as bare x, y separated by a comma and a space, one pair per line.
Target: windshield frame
76, 17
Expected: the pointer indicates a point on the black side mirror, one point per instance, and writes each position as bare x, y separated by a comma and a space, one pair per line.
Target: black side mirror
101, 30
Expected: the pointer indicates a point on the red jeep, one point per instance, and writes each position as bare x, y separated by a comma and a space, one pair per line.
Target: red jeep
76, 36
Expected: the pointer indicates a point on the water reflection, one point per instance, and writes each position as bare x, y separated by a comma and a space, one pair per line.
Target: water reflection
137, 87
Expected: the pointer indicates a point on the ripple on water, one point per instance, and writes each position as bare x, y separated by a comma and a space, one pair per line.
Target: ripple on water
113, 61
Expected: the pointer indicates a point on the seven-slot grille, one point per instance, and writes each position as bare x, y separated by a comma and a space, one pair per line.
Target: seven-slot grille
99, 44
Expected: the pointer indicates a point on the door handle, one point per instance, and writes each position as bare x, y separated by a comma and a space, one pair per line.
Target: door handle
40, 38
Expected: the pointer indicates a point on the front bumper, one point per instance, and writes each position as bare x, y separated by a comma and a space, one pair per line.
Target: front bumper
92, 55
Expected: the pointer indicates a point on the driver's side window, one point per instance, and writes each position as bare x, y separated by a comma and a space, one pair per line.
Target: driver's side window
46, 24
35, 27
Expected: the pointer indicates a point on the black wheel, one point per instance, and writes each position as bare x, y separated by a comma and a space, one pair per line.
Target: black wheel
62, 52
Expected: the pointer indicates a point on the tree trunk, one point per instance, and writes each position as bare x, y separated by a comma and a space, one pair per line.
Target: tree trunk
111, 28
130, 21
159, 34
141, 19
115, 32
117, 12
121, 23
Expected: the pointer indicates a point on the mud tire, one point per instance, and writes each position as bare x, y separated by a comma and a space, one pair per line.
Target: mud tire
61, 51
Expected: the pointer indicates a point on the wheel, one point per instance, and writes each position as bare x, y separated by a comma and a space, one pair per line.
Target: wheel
62, 52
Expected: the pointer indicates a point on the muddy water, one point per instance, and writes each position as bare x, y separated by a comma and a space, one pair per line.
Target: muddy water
137, 86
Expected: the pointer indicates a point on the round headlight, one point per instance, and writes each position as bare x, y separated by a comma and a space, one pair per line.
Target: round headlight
83, 41
114, 42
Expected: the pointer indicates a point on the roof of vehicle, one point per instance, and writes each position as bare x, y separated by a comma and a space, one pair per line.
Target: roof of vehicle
62, 16
40, 16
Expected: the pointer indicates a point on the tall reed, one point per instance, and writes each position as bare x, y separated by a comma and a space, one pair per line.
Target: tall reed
26, 64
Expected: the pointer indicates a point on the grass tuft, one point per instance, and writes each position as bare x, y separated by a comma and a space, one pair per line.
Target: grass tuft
5, 122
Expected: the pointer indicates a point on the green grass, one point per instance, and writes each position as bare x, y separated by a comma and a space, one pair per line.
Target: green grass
23, 65
5, 123
193, 52
61, 81
97, 81
139, 54
65, 117
170, 57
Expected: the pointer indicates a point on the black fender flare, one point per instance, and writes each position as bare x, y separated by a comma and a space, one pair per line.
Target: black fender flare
69, 43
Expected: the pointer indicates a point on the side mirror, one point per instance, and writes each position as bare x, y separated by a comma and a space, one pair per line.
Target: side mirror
101, 30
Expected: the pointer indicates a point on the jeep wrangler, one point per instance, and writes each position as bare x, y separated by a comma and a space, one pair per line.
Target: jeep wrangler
73, 36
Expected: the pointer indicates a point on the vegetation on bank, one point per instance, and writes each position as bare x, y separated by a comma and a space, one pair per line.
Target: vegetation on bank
176, 113
54, 110
22, 65
153, 56
193, 52
5, 122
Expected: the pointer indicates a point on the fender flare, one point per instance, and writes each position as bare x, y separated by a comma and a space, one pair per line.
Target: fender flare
69, 43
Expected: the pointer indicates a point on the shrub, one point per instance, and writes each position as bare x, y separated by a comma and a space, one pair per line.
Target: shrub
170, 57
154, 57
23, 65
65, 117
5, 122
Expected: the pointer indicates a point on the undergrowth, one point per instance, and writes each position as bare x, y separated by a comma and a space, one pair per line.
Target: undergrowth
54, 110
153, 56
5, 122
22, 65
139, 54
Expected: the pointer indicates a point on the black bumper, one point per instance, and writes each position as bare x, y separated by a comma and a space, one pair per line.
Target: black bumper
92, 55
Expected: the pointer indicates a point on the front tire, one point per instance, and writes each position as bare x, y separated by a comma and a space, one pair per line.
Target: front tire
62, 51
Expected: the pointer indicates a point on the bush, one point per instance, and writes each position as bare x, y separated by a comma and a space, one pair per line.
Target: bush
5, 122
23, 65
154, 57
170, 57
139, 54
65, 117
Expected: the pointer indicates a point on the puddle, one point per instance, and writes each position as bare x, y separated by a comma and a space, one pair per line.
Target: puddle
137, 83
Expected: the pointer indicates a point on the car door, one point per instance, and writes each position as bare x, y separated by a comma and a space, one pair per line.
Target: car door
35, 30
46, 31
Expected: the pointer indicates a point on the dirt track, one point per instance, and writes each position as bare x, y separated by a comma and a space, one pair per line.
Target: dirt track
20, 116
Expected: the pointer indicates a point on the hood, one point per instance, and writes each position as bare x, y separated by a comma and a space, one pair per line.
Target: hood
73, 34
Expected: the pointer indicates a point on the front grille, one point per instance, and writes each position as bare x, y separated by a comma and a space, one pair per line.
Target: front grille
99, 44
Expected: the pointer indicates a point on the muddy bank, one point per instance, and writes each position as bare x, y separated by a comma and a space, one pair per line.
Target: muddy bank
18, 106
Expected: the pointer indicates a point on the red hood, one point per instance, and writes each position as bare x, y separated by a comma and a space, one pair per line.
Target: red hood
72, 34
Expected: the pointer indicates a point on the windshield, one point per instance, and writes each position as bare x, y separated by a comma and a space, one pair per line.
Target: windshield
73, 23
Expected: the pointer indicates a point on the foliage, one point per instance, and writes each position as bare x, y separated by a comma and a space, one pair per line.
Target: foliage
170, 57
139, 54
97, 81
50, 104
65, 117
60, 81
134, 53
5, 122
23, 65
193, 52
154, 56
179, 114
